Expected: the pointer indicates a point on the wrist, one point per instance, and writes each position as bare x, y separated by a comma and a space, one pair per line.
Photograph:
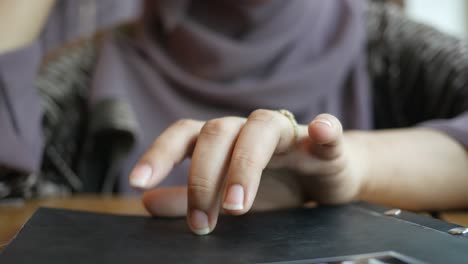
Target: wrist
360, 160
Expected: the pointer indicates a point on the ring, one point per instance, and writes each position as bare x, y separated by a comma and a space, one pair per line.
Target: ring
293, 121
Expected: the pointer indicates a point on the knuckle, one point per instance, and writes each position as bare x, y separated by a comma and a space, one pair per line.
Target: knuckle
217, 128
244, 160
185, 123
266, 118
200, 187
262, 115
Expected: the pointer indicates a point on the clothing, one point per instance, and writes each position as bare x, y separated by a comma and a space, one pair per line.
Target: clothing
393, 43
419, 75
20, 111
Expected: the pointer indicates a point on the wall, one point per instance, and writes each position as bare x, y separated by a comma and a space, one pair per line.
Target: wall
448, 15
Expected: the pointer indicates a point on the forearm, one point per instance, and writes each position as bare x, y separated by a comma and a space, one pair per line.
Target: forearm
21, 21
416, 169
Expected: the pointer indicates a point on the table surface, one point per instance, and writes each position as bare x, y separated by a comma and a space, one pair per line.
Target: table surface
14, 214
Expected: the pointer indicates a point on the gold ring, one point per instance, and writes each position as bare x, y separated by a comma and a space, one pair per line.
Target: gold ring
293, 121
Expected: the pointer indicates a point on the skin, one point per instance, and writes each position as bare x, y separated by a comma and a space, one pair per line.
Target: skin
21, 21
417, 169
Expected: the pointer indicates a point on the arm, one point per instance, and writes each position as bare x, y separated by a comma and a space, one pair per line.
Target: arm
20, 112
416, 169
21, 22
419, 78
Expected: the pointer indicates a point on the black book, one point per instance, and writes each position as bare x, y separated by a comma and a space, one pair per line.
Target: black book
355, 233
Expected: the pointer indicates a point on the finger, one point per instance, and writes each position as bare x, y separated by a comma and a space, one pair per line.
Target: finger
209, 164
265, 133
169, 149
167, 202
326, 137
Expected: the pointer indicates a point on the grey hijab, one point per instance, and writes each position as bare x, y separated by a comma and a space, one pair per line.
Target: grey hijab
206, 59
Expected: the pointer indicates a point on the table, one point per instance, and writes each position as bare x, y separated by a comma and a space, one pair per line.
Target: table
14, 214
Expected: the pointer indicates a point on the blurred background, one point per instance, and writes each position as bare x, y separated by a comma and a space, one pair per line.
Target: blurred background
450, 16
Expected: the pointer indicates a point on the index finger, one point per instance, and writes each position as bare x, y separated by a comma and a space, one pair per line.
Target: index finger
170, 148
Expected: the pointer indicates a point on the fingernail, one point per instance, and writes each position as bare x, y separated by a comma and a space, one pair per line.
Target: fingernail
234, 198
141, 176
323, 122
199, 222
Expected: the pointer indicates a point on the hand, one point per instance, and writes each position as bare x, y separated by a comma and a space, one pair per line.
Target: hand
229, 156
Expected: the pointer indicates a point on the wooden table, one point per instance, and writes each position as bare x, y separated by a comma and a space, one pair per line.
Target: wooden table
14, 214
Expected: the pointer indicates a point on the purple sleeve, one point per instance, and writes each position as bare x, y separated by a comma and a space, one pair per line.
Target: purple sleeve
457, 127
20, 112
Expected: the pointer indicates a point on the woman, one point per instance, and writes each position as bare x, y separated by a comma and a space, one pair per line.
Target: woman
220, 61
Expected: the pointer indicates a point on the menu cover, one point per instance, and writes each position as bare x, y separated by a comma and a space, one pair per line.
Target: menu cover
354, 233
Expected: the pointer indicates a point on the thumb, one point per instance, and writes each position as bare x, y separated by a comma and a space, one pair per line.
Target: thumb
166, 202
326, 137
